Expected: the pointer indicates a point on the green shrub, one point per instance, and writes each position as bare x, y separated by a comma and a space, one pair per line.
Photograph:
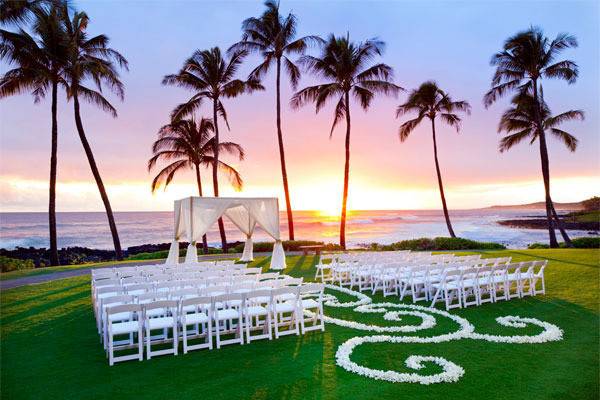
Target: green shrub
579, 243
586, 242
534, 246
13, 264
438, 243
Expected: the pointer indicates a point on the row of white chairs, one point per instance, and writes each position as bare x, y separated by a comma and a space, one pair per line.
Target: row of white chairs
464, 287
106, 289
196, 318
389, 278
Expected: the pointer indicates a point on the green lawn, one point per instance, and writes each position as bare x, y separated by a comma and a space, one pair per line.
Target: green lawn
50, 349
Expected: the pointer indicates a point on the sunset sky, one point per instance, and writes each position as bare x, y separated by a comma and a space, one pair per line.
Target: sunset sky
448, 41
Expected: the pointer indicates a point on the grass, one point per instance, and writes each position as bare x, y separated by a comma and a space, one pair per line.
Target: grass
585, 216
50, 349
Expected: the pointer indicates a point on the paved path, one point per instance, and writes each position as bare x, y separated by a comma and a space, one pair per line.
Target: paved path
37, 279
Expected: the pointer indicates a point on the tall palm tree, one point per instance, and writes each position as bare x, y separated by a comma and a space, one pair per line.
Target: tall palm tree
186, 144
90, 58
39, 61
21, 11
429, 101
212, 78
525, 60
348, 70
273, 37
520, 123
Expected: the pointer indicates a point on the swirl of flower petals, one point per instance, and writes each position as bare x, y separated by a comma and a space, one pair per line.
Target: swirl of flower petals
550, 333
451, 371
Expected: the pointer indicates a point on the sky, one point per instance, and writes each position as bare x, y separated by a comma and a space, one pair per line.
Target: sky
450, 42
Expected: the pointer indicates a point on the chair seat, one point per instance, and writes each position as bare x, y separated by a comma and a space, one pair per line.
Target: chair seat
195, 318
257, 310
125, 327
161, 322
120, 316
287, 306
286, 296
226, 314
155, 312
310, 303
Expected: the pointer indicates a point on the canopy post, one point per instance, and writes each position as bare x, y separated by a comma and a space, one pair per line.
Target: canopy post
278, 257
248, 254
173, 257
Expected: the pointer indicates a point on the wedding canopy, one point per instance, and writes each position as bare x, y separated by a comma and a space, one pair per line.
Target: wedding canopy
195, 215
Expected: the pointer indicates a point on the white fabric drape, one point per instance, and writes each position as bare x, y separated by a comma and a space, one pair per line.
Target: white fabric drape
195, 215
173, 257
266, 213
240, 216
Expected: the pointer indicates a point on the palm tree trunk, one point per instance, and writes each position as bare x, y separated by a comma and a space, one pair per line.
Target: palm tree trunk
214, 173
96, 173
439, 177
52, 191
560, 227
545, 167
286, 190
199, 182
346, 174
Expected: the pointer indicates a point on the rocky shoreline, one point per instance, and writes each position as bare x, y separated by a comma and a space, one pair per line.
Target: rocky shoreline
541, 223
78, 255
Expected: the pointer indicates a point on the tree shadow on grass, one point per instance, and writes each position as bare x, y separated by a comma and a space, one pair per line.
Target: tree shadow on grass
46, 294
42, 308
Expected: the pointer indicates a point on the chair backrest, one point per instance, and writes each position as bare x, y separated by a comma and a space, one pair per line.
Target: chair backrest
146, 298
167, 304
249, 271
183, 294
214, 290
138, 288
262, 296
107, 282
108, 290
241, 287
115, 300
269, 284
224, 300
268, 275
291, 281
122, 308
311, 289
282, 294
204, 302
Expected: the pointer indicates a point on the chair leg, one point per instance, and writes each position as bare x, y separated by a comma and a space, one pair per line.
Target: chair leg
140, 344
175, 338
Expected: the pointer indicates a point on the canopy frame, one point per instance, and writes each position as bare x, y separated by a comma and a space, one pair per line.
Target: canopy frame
193, 217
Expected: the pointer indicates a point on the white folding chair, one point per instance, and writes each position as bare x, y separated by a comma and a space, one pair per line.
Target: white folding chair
311, 298
228, 308
117, 326
257, 312
196, 311
160, 315
285, 310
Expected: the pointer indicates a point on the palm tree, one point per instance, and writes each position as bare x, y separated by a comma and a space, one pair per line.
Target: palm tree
186, 144
273, 37
520, 123
525, 60
39, 68
211, 77
429, 101
347, 68
21, 11
91, 58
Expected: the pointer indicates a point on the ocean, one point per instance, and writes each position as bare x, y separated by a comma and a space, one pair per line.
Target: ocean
90, 229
